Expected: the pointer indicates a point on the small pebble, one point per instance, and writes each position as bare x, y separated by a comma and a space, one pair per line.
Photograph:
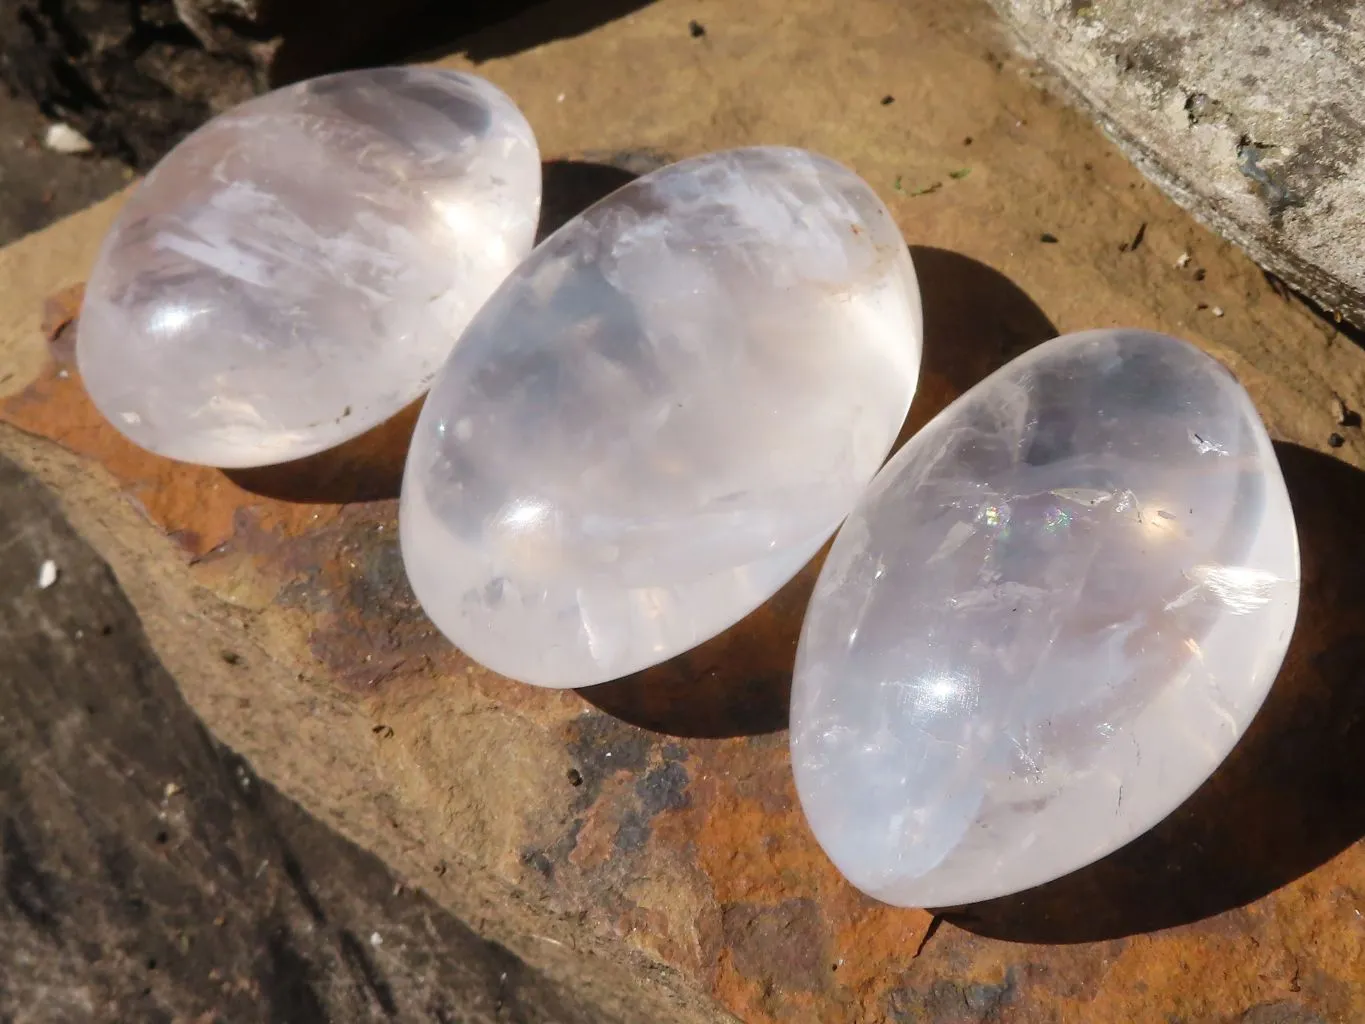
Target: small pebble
1183, 261
696, 28
62, 138
171, 790
47, 574
1336, 440
1217, 311
376, 940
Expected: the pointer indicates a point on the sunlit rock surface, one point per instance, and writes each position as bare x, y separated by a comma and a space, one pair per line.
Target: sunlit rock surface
1049, 619
297, 270
661, 416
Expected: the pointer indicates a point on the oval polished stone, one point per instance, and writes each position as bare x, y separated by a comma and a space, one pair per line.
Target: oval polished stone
297, 270
661, 416
1047, 622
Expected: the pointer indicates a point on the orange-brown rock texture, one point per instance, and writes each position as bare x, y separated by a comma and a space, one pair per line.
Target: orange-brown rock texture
640, 841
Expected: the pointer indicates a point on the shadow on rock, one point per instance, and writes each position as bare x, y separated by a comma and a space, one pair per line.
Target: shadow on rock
365, 468
568, 187
736, 684
481, 29
1286, 800
975, 321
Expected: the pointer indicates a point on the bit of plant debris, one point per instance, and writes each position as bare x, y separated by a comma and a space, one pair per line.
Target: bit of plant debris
1137, 239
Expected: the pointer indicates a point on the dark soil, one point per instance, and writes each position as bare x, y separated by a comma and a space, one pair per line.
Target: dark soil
38, 186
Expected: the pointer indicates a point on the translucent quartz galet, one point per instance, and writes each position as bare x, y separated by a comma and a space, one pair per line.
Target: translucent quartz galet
1049, 619
661, 416
297, 270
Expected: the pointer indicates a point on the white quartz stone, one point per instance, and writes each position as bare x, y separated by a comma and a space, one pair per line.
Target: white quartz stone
297, 270
1049, 619
661, 416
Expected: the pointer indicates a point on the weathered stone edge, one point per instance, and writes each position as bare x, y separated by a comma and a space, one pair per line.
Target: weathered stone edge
1324, 289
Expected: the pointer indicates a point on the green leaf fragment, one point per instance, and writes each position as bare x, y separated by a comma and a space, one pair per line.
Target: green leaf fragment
899, 186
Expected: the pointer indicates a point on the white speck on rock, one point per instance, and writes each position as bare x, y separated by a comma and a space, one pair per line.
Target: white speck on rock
376, 940
1217, 311
1183, 261
62, 138
47, 574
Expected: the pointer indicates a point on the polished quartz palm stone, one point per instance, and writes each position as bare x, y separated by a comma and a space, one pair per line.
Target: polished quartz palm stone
661, 416
1049, 619
297, 270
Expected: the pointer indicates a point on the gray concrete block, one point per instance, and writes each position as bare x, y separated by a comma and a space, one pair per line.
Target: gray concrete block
1250, 113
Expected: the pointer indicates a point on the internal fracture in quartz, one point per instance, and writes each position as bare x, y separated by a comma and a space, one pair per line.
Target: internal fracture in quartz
1050, 618
297, 270
661, 416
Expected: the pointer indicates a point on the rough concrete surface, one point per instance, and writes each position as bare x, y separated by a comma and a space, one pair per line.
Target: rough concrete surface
1251, 113
640, 841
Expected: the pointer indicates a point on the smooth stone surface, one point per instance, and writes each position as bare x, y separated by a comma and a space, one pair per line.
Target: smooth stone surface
297, 270
1048, 621
661, 416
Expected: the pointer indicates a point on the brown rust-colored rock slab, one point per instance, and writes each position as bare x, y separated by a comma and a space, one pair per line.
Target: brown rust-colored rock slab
643, 837
1250, 113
